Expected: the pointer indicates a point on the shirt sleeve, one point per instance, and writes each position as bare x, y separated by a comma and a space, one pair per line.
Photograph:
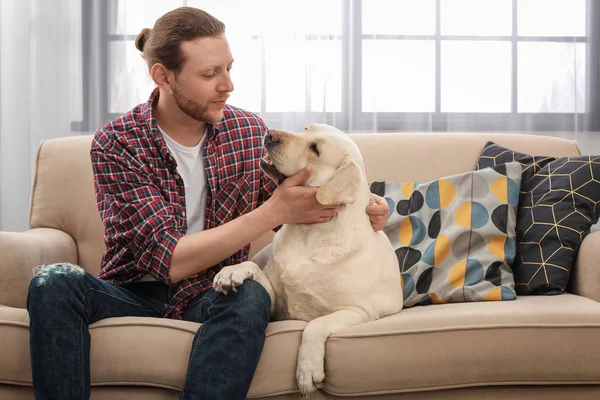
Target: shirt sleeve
135, 214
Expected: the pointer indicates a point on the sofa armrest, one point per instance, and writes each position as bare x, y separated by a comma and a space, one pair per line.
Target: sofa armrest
20, 252
586, 276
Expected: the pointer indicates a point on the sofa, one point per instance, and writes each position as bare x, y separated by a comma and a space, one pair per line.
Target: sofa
535, 347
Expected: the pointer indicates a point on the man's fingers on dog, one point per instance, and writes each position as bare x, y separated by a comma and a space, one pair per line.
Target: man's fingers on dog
330, 212
375, 199
299, 178
377, 209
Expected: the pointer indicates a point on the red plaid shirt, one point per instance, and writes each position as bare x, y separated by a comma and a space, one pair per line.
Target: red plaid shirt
141, 197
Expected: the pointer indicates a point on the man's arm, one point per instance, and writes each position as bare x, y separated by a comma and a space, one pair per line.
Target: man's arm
133, 209
378, 210
201, 250
136, 214
290, 203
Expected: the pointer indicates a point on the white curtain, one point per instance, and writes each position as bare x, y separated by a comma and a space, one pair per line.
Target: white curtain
40, 92
364, 66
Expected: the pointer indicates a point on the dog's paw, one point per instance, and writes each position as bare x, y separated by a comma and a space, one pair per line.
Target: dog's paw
231, 277
309, 377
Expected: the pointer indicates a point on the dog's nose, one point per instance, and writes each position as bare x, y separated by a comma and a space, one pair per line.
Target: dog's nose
273, 136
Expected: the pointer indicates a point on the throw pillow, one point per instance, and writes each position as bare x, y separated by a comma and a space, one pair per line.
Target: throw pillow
558, 205
455, 237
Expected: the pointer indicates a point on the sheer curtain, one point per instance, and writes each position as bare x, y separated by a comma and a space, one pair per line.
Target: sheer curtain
392, 65
40, 91
68, 66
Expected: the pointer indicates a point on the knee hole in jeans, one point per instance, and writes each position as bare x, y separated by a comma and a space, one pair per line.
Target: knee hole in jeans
60, 274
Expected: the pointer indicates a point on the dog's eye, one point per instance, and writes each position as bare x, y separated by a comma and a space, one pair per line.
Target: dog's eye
313, 147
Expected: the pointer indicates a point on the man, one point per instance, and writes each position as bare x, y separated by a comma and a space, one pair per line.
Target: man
180, 192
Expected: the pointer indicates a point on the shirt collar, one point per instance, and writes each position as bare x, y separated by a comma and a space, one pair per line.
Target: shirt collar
155, 135
148, 116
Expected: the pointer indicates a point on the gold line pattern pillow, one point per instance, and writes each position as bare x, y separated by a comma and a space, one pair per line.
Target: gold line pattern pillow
558, 205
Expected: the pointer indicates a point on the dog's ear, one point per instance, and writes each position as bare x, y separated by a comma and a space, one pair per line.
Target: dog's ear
342, 186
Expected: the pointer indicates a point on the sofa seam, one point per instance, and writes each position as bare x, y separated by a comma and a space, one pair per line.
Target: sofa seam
421, 389
348, 335
35, 182
487, 384
460, 328
577, 147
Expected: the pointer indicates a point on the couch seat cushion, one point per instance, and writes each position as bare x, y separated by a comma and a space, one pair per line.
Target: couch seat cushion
532, 340
149, 352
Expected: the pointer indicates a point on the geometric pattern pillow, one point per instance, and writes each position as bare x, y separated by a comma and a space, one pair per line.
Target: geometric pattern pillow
455, 237
557, 207
494, 154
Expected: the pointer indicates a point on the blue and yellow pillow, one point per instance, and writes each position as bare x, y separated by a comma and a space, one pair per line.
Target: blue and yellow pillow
455, 237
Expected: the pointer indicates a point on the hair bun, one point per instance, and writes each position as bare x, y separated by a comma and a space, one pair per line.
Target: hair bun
141, 38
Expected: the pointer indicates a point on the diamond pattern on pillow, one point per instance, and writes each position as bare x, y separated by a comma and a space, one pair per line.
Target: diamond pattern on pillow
558, 204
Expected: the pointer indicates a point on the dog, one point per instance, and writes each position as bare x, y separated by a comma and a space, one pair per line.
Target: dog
333, 274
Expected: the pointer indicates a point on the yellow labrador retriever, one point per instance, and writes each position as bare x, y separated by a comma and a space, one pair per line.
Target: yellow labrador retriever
334, 274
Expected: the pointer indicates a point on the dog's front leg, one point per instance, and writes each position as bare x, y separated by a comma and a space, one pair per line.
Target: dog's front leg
234, 275
310, 370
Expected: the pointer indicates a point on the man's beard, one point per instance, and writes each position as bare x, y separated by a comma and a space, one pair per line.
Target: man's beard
194, 110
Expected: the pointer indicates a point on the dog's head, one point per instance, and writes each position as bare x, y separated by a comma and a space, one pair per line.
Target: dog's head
337, 166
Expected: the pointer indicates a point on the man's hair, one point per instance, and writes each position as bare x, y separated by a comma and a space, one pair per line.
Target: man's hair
162, 44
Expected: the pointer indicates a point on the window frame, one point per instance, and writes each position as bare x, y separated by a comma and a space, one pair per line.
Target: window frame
96, 80
446, 121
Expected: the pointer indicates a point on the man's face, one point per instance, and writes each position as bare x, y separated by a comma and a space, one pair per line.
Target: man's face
203, 85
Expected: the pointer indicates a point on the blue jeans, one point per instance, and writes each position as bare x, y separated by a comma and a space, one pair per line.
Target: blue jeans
64, 300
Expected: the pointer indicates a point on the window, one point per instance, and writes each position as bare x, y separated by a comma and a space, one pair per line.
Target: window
487, 64
396, 64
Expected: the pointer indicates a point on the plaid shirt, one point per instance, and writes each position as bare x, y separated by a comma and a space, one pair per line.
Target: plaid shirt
141, 197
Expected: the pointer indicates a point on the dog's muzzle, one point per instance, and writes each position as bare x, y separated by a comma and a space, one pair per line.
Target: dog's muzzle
270, 141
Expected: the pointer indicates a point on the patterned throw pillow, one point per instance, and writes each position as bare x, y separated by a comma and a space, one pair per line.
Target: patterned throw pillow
557, 207
455, 237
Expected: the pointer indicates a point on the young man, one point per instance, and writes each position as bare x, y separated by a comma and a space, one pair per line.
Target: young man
181, 195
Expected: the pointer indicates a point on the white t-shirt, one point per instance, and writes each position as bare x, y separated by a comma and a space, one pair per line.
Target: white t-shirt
190, 166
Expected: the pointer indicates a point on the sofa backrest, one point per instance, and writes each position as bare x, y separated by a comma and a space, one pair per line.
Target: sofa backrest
63, 196
63, 192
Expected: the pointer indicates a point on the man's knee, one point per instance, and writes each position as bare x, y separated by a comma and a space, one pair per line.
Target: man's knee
253, 299
54, 280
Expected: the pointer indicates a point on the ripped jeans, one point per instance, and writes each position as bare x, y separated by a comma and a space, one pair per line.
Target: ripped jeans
64, 300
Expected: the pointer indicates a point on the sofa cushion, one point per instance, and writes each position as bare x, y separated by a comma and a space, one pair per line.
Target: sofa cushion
455, 237
421, 348
532, 340
558, 205
137, 351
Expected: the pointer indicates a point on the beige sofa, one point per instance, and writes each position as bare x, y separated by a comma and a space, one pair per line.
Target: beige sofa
532, 348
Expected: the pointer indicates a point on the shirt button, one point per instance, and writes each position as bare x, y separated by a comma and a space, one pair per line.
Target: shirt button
177, 176
183, 214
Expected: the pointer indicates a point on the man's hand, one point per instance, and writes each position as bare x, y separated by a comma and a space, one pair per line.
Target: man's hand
292, 203
379, 212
